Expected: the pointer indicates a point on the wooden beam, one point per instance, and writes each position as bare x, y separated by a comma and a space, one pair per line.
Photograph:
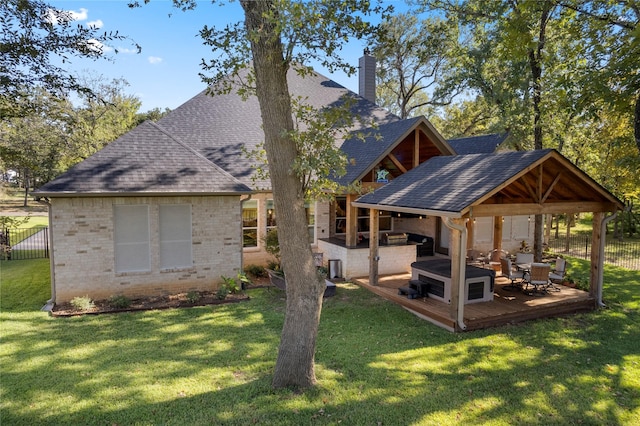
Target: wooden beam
484, 210
416, 148
397, 163
374, 258
352, 222
550, 188
530, 190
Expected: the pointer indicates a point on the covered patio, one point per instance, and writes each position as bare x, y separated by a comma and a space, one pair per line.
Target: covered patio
458, 189
507, 307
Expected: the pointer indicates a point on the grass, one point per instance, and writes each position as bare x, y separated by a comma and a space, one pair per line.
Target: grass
375, 363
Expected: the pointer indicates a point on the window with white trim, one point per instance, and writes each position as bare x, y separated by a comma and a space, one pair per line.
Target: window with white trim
175, 236
309, 208
250, 223
131, 238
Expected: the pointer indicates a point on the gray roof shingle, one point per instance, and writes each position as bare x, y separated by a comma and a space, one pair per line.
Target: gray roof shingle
199, 146
452, 183
146, 160
484, 144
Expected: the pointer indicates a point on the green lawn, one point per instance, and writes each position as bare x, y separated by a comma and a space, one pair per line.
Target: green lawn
376, 364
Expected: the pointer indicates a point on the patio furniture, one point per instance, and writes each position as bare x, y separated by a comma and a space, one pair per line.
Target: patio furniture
524, 260
539, 277
510, 273
557, 275
421, 287
424, 244
408, 291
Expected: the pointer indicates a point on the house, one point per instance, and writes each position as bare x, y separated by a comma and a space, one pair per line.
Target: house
175, 205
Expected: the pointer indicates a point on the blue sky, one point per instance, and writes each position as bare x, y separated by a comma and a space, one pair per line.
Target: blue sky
165, 73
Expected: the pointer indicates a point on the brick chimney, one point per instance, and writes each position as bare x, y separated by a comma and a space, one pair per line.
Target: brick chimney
367, 77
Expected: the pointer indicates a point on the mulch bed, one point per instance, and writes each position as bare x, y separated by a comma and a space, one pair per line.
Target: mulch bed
147, 303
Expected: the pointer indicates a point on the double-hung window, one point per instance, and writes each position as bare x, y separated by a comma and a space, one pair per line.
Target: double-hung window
309, 208
250, 223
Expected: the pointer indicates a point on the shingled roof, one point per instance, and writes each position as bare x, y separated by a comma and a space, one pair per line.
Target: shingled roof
220, 126
147, 160
483, 144
199, 146
449, 184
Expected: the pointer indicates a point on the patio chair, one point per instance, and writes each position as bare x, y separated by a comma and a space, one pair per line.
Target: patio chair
510, 273
539, 277
557, 274
524, 259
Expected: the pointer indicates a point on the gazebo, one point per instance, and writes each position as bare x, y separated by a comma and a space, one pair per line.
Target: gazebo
460, 188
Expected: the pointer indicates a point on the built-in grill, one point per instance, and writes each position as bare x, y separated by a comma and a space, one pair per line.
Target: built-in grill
394, 238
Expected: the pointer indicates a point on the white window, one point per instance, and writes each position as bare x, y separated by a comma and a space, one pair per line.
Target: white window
175, 236
309, 208
131, 237
520, 227
250, 223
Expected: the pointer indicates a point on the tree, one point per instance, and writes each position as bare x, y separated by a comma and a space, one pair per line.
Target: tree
415, 64
101, 116
33, 36
279, 36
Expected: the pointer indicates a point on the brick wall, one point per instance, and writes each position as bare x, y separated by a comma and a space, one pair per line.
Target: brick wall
83, 247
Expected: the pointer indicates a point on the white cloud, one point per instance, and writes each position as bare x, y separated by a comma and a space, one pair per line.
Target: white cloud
79, 16
66, 16
154, 60
95, 24
126, 50
98, 46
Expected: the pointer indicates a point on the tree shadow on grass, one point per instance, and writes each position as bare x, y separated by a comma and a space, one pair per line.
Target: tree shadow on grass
375, 363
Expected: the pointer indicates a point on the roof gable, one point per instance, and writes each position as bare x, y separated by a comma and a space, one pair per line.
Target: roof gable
385, 141
146, 160
486, 184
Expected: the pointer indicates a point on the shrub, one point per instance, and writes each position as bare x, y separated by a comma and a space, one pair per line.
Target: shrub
230, 285
255, 271
83, 303
119, 301
193, 296
222, 292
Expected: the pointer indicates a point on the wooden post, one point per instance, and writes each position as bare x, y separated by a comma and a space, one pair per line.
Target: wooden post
596, 260
352, 222
454, 252
374, 258
497, 233
471, 227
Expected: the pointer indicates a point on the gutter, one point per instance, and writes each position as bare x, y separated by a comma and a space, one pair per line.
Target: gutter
49, 303
462, 269
603, 227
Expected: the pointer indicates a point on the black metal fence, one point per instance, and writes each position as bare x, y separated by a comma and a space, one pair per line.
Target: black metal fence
24, 243
625, 254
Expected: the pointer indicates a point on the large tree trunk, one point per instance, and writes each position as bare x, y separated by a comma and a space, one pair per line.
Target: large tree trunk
295, 362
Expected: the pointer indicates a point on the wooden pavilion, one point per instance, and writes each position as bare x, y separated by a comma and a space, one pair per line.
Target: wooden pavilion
460, 188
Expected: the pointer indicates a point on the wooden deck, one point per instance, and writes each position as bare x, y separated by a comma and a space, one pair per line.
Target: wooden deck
508, 306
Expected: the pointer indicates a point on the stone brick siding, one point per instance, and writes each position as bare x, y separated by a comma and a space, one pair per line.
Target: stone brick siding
82, 232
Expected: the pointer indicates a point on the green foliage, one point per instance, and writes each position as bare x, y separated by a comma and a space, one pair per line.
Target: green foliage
119, 301
222, 292
32, 34
193, 296
272, 246
256, 271
82, 303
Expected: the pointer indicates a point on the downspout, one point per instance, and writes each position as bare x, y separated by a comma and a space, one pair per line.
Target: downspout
462, 269
49, 303
603, 227
242, 201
